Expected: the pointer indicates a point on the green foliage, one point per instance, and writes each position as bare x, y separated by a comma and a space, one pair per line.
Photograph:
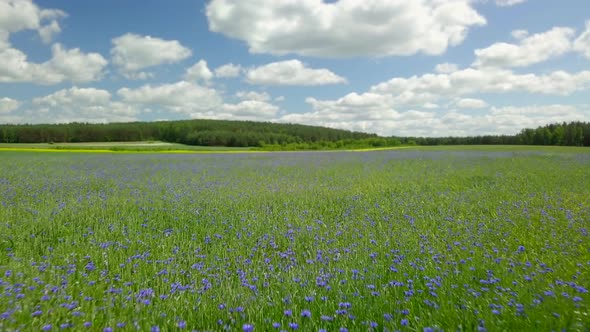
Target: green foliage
191, 132
274, 136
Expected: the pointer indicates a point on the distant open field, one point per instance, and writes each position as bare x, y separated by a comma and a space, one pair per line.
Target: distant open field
164, 147
413, 239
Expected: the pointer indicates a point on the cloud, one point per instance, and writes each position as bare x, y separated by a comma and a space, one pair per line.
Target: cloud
198, 72
530, 50
519, 34
253, 95
375, 113
132, 52
249, 110
508, 3
445, 68
471, 103
228, 70
197, 101
18, 15
344, 28
417, 90
73, 65
291, 72
8, 105
180, 97
79, 105
65, 65
582, 43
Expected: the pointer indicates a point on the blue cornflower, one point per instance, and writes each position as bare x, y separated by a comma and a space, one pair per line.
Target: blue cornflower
294, 326
276, 325
404, 322
248, 328
155, 328
47, 327
87, 324
306, 313
288, 312
181, 324
37, 313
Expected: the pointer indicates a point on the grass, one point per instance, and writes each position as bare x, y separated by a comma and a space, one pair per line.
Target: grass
396, 240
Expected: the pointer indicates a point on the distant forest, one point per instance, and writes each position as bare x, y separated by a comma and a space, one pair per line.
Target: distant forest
272, 135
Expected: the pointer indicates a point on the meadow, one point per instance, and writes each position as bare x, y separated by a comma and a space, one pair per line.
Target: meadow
423, 239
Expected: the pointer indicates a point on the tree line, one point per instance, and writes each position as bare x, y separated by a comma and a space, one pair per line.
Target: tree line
191, 132
566, 134
273, 136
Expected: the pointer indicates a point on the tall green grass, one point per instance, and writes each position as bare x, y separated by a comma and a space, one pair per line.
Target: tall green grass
391, 240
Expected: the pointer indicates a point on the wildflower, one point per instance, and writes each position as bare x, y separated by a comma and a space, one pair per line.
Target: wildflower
294, 326
306, 313
181, 324
248, 328
47, 327
404, 322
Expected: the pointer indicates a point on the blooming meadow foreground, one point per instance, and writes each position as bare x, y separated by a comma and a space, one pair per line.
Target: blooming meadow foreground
405, 240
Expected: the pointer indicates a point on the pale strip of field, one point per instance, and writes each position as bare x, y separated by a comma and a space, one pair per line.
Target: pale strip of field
7, 149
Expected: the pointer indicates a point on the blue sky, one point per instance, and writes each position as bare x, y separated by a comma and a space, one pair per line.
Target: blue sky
423, 67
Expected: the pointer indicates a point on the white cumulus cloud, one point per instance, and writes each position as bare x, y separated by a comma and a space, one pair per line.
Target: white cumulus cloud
344, 28
582, 43
291, 72
531, 49
228, 70
253, 95
180, 97
508, 3
18, 15
65, 65
198, 72
79, 105
8, 105
471, 103
132, 52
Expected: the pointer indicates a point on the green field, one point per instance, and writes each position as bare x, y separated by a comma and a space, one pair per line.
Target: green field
451, 238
